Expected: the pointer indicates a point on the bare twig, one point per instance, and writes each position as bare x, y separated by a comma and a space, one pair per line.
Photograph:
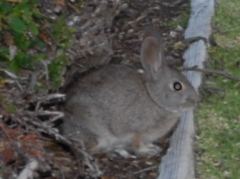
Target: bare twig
56, 115
10, 74
55, 96
28, 171
53, 115
211, 71
48, 98
145, 170
172, 4
14, 77
32, 81
76, 148
73, 7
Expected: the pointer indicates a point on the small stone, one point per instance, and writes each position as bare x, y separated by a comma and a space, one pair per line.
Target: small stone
70, 23
226, 173
179, 45
130, 31
141, 71
121, 35
124, 6
153, 174
58, 9
149, 163
156, 8
173, 34
49, 11
179, 28
73, 21
76, 19
53, 17
164, 34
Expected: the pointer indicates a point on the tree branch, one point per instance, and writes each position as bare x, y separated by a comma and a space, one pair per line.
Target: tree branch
211, 71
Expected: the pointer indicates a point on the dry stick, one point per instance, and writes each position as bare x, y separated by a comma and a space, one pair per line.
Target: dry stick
29, 169
14, 77
88, 159
73, 7
11, 75
55, 96
53, 115
211, 71
56, 115
146, 169
172, 4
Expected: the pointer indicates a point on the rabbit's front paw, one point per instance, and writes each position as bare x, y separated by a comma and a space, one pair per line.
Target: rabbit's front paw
124, 153
149, 149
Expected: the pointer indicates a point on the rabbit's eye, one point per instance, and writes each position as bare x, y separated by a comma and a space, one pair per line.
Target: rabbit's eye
177, 86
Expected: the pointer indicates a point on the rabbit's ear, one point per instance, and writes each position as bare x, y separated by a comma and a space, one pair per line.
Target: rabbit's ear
151, 56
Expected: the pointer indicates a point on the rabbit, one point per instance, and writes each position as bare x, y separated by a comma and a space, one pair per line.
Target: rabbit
116, 107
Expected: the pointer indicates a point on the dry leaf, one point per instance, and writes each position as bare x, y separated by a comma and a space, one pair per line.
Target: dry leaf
45, 38
27, 142
6, 152
8, 39
60, 2
24, 141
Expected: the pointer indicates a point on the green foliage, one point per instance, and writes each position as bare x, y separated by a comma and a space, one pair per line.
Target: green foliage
219, 117
32, 34
8, 106
181, 20
18, 20
56, 68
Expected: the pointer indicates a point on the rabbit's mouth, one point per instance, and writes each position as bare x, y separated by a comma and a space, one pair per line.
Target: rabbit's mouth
183, 108
173, 109
187, 107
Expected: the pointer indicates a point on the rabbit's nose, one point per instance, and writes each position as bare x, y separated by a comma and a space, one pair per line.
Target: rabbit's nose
195, 98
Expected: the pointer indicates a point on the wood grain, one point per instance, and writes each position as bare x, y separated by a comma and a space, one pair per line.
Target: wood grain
179, 162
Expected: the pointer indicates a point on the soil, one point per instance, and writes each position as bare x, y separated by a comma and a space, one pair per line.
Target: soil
108, 31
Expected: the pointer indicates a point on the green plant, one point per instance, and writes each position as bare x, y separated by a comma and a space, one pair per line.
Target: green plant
28, 36
19, 27
219, 117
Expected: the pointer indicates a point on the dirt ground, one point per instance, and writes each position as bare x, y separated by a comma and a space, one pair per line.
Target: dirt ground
108, 31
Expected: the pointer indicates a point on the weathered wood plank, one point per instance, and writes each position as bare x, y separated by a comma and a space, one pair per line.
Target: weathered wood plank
199, 24
196, 54
179, 161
